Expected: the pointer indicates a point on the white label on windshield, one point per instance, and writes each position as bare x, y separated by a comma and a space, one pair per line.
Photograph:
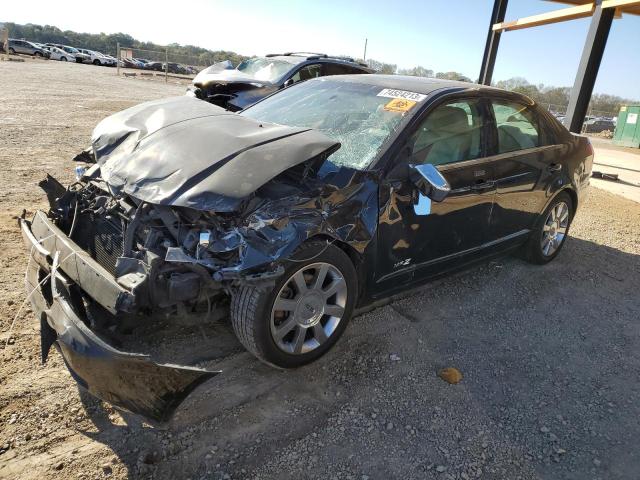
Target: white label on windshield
393, 93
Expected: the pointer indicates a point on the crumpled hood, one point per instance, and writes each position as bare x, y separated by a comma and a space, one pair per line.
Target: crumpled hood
185, 152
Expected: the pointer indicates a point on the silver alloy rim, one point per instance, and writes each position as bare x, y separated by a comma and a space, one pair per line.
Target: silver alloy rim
308, 308
555, 229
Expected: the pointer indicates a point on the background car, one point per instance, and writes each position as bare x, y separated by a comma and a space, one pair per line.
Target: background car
26, 48
96, 58
258, 77
599, 125
155, 66
175, 68
59, 54
77, 55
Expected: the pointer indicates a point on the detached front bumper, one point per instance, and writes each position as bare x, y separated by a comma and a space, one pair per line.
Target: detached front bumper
128, 380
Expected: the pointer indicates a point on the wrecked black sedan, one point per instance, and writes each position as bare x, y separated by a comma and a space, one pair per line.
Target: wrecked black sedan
323, 198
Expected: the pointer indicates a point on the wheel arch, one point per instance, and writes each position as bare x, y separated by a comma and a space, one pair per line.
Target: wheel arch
569, 190
355, 256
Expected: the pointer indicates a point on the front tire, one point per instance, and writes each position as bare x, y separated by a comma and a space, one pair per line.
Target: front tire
97, 62
63, 59
304, 314
37, 54
551, 231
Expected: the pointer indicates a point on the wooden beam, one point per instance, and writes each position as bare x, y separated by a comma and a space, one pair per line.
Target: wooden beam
562, 15
620, 3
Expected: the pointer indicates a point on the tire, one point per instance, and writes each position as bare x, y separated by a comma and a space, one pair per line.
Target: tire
257, 321
537, 249
12, 51
37, 54
63, 59
97, 62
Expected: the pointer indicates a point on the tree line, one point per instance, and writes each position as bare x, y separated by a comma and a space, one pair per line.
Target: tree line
107, 43
556, 97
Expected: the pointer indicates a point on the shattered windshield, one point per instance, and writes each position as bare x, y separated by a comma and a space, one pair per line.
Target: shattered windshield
353, 114
265, 68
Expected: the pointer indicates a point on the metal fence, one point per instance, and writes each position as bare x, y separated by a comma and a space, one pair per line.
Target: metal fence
162, 63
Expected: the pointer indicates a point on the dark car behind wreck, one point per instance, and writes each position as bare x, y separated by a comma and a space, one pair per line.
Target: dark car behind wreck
322, 198
258, 77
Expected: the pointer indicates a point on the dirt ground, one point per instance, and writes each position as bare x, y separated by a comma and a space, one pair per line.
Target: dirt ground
550, 355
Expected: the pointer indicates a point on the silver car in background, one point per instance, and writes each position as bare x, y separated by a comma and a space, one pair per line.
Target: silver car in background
26, 48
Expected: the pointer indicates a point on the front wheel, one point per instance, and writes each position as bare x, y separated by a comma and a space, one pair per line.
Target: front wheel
551, 230
63, 59
302, 316
37, 54
97, 62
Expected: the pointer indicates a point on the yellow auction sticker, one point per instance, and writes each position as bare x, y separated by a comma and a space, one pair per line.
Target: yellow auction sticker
399, 105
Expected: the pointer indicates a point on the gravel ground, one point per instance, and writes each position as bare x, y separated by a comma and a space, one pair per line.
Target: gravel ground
550, 355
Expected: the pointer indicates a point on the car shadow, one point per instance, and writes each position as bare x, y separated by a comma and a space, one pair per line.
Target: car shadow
527, 339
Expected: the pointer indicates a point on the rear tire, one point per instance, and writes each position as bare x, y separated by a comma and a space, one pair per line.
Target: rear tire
12, 51
97, 62
63, 59
312, 317
551, 231
37, 54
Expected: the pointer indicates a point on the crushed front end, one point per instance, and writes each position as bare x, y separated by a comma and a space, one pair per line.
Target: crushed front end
182, 204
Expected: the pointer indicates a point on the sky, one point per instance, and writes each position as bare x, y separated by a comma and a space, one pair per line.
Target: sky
441, 35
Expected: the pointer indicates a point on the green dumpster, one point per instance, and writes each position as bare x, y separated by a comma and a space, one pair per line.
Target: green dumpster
627, 133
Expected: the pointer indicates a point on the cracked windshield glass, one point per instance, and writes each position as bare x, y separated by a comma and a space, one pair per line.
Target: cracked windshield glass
350, 113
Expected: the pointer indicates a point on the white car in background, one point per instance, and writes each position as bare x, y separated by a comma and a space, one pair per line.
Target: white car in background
59, 54
97, 58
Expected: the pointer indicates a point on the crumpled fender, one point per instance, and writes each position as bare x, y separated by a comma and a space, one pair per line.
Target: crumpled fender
275, 231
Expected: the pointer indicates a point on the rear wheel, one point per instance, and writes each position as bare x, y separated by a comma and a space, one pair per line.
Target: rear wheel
551, 231
12, 51
96, 62
63, 59
37, 54
304, 314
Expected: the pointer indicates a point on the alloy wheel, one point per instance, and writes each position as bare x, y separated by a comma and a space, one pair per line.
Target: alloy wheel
555, 229
308, 308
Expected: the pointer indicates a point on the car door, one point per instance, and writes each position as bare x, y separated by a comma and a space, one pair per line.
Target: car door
524, 160
20, 47
417, 237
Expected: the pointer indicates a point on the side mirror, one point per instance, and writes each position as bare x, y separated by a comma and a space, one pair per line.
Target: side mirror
288, 83
429, 181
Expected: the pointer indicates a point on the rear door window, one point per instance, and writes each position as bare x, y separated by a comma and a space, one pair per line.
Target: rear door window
306, 73
517, 126
337, 69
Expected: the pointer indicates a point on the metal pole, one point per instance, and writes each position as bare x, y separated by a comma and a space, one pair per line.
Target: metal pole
166, 65
493, 40
364, 57
118, 58
589, 65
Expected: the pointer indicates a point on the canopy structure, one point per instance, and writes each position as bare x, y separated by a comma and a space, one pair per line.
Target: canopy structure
602, 13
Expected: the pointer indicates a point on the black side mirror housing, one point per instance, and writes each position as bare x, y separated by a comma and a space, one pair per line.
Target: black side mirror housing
429, 181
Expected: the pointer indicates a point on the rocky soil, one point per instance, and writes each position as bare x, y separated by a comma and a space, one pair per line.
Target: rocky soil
550, 356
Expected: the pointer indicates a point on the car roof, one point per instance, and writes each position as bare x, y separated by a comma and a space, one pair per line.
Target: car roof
423, 85
296, 58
